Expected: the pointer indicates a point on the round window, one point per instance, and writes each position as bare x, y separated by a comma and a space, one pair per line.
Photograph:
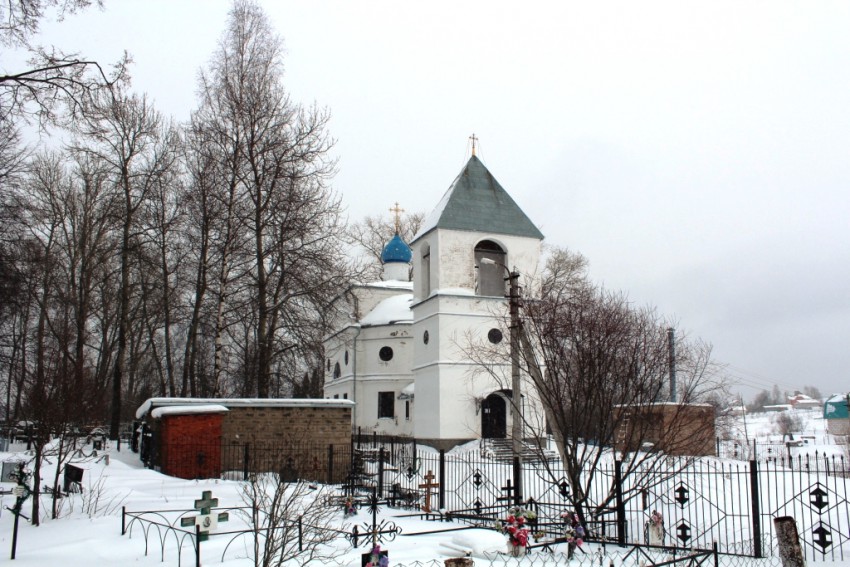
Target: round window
494, 336
425, 337
386, 353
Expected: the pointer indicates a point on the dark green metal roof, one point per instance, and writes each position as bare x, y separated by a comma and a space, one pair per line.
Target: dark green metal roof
476, 202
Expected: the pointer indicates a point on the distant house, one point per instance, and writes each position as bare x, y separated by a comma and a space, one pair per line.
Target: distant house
802, 401
736, 411
836, 415
778, 408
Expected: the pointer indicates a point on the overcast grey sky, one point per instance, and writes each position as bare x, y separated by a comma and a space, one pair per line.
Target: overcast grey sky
696, 153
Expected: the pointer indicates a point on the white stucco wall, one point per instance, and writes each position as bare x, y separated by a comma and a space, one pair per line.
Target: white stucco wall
453, 260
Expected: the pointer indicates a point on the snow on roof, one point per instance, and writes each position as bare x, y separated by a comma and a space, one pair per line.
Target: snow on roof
187, 410
395, 309
389, 284
407, 392
152, 403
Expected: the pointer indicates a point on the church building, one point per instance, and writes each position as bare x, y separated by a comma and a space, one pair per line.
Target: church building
412, 355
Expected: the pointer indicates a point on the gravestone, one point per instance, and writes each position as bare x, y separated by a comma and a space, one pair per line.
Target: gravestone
72, 479
10, 471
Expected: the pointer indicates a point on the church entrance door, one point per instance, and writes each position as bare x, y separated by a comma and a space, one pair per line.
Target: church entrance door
494, 417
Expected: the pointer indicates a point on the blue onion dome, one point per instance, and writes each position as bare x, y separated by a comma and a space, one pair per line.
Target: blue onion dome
396, 251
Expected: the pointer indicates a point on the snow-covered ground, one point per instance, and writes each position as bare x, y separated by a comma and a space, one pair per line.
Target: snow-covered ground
88, 531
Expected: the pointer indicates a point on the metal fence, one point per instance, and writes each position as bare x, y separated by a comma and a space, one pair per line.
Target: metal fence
702, 501
329, 463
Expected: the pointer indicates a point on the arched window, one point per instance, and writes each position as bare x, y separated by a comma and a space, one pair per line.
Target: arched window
426, 271
491, 276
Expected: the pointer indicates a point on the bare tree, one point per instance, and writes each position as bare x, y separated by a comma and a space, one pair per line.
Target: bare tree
273, 163
54, 76
291, 522
136, 148
600, 369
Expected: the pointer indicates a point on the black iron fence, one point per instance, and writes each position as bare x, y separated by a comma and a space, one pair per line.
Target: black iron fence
702, 501
329, 463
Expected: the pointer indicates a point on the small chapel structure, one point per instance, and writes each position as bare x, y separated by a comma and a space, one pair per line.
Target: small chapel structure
402, 350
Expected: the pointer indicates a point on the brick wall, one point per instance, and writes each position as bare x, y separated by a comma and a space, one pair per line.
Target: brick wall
191, 445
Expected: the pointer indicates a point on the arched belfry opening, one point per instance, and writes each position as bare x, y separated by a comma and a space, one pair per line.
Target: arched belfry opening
491, 276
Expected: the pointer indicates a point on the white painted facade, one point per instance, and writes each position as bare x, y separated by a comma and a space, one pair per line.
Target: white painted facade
432, 325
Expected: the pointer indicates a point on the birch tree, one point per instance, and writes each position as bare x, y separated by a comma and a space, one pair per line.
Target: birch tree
281, 223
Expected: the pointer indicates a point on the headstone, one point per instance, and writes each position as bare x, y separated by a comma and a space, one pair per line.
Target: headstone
370, 559
73, 478
10, 471
655, 529
788, 541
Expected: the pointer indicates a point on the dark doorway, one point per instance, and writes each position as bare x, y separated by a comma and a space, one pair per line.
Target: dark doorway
494, 417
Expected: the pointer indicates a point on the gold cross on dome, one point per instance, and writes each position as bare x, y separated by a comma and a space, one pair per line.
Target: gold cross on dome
396, 210
474, 140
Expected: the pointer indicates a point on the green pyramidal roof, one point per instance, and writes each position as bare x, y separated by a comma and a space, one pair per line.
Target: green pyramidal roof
475, 201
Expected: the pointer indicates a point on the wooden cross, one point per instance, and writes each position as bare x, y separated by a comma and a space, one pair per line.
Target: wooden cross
396, 210
428, 485
205, 520
474, 140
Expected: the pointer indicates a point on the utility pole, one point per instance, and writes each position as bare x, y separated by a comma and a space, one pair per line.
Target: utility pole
514, 299
516, 382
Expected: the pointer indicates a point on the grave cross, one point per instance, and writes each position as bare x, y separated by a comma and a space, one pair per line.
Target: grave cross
205, 520
377, 531
509, 491
428, 485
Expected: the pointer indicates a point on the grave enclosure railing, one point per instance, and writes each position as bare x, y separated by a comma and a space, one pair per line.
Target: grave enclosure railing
702, 501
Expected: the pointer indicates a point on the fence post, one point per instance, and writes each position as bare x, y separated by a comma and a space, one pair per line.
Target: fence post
300, 534
621, 506
197, 545
517, 481
442, 489
715, 554
330, 463
245, 457
381, 457
755, 511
